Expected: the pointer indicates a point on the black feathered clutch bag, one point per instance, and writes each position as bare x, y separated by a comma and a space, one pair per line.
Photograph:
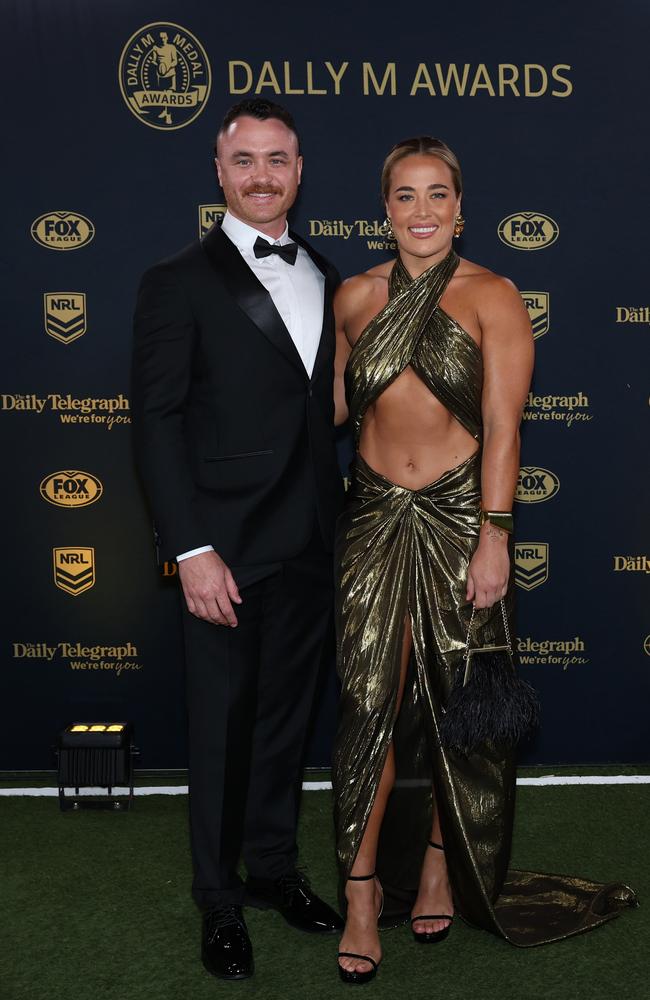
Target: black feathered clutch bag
488, 701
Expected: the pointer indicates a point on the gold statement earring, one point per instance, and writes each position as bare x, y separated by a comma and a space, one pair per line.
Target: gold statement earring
459, 225
387, 229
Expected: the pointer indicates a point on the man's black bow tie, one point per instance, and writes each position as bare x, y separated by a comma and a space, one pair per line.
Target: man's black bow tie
262, 248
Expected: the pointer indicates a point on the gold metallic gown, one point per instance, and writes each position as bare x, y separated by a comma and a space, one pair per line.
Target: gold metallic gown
406, 552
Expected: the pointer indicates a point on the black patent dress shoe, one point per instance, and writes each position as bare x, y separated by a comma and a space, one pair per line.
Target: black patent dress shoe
292, 896
226, 950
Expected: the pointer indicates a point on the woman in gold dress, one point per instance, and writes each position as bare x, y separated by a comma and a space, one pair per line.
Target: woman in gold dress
434, 360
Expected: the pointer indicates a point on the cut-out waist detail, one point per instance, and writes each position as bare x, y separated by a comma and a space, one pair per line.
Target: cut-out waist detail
462, 467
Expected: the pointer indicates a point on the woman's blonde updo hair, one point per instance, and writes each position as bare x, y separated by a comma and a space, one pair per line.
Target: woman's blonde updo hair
424, 145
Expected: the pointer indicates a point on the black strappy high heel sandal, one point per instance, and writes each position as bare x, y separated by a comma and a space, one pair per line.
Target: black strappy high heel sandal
359, 978
432, 937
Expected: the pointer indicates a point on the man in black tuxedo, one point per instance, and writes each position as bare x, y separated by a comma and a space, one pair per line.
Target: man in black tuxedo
234, 429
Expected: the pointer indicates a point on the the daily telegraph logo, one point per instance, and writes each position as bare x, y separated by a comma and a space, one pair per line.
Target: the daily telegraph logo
65, 315
117, 660
531, 564
107, 412
164, 75
371, 230
563, 653
45, 651
632, 564
74, 569
63, 230
538, 305
633, 314
528, 231
71, 488
553, 408
208, 215
535, 485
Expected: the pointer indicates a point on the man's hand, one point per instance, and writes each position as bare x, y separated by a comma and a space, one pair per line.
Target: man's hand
209, 588
489, 569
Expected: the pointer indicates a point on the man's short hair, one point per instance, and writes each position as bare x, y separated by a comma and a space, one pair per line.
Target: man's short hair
260, 109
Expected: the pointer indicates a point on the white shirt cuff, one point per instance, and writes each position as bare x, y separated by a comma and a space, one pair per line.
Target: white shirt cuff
194, 552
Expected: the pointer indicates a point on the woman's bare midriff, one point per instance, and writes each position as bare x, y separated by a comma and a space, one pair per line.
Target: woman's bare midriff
409, 437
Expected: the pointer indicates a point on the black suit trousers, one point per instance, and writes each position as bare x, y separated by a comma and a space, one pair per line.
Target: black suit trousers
250, 692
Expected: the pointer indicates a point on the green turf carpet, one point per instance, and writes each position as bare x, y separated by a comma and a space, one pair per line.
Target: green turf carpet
97, 905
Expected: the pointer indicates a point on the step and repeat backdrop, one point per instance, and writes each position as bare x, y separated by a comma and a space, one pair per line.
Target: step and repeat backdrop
111, 111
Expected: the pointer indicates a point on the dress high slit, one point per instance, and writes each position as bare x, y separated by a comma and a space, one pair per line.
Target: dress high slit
404, 553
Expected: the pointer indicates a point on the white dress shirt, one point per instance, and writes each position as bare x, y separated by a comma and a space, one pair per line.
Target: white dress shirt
297, 290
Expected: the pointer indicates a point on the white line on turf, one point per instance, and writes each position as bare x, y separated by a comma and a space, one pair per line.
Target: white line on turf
587, 779
321, 786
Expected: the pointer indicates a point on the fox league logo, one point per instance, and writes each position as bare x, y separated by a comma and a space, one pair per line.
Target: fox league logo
62, 230
528, 231
535, 485
164, 75
65, 315
71, 488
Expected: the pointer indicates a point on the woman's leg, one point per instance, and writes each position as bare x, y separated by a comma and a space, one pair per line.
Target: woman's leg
364, 898
434, 892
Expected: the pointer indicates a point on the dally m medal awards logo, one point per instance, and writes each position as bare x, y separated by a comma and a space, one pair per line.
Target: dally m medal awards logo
208, 215
74, 569
71, 488
535, 485
539, 309
531, 564
164, 75
528, 231
65, 315
62, 230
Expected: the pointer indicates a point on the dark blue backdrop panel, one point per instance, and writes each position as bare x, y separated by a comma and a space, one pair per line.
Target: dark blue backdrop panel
112, 116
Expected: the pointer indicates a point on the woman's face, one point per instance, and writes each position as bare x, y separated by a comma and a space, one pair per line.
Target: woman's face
422, 205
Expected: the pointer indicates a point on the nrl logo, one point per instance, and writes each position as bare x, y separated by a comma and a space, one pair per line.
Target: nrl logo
531, 564
65, 315
528, 231
164, 75
538, 306
74, 569
208, 215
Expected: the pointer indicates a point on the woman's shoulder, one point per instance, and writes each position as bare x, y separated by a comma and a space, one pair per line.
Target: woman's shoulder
495, 300
354, 292
485, 284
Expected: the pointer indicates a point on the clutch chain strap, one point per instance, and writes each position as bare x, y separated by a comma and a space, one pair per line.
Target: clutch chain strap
485, 649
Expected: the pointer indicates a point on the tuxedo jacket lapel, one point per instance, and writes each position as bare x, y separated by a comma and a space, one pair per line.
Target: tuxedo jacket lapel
249, 293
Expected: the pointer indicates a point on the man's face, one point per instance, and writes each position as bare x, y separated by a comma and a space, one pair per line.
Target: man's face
259, 170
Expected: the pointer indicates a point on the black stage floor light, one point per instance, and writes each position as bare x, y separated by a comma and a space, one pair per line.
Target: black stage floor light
96, 755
